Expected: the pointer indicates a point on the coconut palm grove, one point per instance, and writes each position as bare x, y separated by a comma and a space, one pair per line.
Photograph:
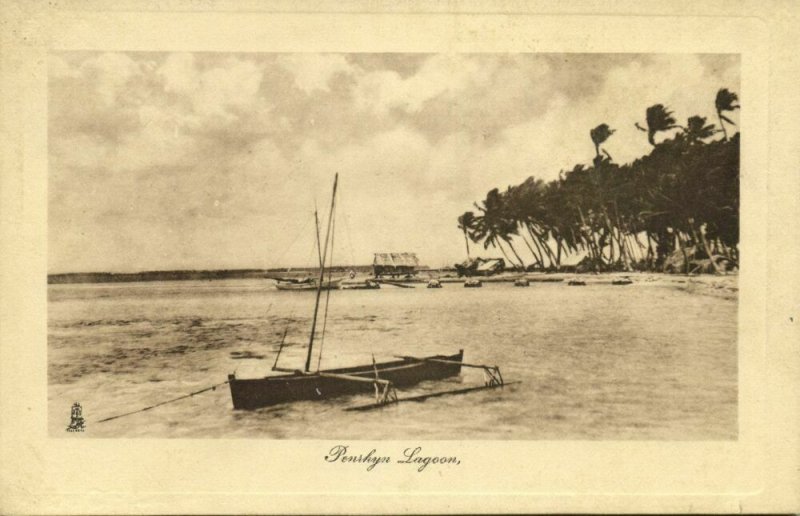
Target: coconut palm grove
675, 209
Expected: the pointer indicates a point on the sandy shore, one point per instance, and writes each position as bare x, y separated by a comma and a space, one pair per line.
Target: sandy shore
723, 286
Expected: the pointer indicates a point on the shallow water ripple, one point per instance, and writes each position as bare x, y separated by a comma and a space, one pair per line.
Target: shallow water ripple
599, 362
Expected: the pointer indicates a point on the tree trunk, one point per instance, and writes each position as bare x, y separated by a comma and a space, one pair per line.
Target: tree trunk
466, 241
616, 235
596, 256
511, 246
702, 239
542, 239
683, 251
631, 249
558, 251
504, 254
624, 254
727, 252
533, 253
724, 131
537, 241
622, 239
650, 254
538, 256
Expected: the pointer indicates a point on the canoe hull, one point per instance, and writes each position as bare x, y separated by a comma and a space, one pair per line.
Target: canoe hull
250, 394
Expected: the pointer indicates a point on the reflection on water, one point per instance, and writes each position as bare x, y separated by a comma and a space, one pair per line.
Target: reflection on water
600, 362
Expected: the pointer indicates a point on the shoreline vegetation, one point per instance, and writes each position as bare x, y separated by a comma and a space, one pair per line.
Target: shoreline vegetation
675, 209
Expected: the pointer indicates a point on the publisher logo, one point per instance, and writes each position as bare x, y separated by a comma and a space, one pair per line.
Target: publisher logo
77, 423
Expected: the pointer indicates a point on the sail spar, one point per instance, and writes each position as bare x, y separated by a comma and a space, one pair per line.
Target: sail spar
321, 274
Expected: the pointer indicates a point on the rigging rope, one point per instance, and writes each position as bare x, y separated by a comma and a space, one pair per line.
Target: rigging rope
328, 292
294, 240
283, 339
212, 388
346, 219
280, 348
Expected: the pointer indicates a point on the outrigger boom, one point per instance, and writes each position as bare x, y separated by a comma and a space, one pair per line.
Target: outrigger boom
492, 380
423, 397
491, 374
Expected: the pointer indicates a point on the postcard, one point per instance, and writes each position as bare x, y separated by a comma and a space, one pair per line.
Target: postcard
419, 258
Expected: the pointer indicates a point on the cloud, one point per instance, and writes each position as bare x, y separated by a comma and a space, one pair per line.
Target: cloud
314, 71
179, 73
178, 160
439, 74
109, 72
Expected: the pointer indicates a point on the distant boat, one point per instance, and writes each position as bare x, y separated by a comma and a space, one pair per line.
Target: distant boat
622, 281
521, 282
367, 285
434, 283
307, 284
576, 283
380, 378
473, 283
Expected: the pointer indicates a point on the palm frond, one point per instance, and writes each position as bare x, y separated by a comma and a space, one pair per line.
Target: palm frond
725, 100
601, 133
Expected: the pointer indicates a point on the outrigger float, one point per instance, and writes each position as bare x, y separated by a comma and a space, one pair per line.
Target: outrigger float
381, 378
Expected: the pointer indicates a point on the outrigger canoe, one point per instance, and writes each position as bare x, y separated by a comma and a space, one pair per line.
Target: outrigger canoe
382, 379
249, 394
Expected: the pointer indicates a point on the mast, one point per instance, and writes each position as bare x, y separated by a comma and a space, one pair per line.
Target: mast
321, 274
319, 244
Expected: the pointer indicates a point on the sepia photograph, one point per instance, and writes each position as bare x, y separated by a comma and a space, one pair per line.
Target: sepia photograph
363, 257
428, 246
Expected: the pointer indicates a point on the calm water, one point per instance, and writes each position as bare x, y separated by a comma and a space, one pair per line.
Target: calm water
595, 362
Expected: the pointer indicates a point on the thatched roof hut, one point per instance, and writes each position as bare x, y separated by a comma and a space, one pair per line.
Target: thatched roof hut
395, 264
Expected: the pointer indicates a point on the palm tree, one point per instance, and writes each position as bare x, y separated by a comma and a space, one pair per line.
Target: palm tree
493, 226
599, 135
725, 101
523, 206
466, 223
659, 118
681, 195
697, 130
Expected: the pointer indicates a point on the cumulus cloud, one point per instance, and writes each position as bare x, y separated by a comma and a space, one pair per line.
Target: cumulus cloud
206, 160
440, 74
314, 71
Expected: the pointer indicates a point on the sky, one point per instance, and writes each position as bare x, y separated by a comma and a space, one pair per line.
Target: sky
217, 160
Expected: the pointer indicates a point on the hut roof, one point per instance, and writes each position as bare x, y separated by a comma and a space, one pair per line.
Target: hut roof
489, 265
396, 259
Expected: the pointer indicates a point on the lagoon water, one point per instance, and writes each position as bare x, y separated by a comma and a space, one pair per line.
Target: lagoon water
595, 362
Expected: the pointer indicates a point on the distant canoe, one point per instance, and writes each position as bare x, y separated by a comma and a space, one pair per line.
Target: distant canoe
310, 284
473, 283
622, 281
367, 285
576, 283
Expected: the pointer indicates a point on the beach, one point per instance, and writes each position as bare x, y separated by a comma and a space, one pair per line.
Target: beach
724, 286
